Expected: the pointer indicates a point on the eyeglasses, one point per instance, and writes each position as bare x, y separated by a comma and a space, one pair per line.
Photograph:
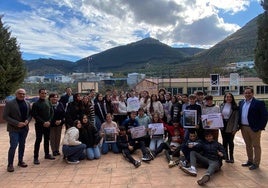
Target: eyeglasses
21, 94
43, 93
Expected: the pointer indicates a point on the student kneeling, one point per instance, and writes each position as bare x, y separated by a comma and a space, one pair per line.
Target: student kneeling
73, 149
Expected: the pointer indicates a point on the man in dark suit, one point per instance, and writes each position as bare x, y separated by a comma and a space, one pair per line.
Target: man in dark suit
253, 119
17, 114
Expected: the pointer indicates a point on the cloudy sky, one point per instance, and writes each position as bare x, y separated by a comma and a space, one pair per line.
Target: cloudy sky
74, 29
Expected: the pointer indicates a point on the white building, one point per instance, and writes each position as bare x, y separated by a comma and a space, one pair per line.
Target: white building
245, 64
134, 78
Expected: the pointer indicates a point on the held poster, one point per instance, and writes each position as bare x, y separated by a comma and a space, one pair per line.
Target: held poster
110, 135
212, 121
138, 132
156, 129
189, 118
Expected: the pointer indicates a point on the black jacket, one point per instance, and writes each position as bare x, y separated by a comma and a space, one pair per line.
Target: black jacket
89, 135
210, 150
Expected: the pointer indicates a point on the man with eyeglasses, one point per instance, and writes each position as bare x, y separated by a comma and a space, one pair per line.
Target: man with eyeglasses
42, 112
17, 114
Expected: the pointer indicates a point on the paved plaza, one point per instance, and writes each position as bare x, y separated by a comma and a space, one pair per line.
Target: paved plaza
112, 171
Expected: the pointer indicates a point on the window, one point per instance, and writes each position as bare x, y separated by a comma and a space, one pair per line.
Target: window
175, 91
191, 90
262, 90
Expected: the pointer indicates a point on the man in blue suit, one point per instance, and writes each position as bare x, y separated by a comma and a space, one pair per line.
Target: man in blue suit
17, 113
253, 119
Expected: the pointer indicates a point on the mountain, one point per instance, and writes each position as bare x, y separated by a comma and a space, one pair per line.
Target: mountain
154, 58
43, 66
135, 56
239, 46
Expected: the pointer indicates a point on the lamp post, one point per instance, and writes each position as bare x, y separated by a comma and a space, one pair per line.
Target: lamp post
89, 59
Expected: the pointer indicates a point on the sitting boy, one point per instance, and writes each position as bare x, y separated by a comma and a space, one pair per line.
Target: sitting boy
192, 144
125, 147
137, 143
211, 157
172, 147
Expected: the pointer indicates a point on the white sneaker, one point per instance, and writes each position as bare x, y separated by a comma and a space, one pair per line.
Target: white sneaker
144, 158
182, 163
191, 171
72, 162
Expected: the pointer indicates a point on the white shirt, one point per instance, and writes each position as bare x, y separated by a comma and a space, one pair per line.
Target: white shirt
244, 118
226, 110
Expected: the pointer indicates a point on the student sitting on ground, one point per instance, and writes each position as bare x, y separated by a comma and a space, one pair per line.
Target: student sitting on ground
172, 147
192, 144
72, 148
138, 143
211, 157
126, 147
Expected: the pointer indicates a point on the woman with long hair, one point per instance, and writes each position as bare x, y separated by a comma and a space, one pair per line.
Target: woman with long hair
230, 114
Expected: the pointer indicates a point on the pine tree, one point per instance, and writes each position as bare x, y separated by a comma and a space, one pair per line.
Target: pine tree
261, 50
12, 68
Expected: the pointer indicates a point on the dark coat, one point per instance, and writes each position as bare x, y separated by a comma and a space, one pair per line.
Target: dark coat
12, 114
257, 114
89, 135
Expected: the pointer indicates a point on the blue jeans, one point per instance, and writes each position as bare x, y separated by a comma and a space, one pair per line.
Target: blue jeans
105, 147
16, 138
93, 153
74, 153
155, 143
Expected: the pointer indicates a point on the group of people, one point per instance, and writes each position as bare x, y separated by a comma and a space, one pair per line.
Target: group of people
122, 123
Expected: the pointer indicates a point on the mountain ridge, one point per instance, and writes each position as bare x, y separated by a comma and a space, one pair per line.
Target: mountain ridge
149, 55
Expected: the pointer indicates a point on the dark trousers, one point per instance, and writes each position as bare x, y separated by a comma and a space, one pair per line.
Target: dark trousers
228, 144
169, 152
55, 138
127, 155
139, 144
74, 153
15, 139
40, 130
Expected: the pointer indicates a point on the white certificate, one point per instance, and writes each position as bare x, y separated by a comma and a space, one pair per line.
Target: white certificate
138, 132
212, 121
156, 128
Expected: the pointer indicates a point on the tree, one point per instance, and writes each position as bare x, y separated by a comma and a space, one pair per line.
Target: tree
261, 50
12, 69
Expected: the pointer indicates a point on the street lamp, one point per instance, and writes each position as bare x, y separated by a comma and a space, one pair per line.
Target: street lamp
89, 59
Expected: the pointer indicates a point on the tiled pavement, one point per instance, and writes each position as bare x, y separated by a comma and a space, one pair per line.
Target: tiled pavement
112, 171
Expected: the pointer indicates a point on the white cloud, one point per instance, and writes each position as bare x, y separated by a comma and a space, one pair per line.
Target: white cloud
83, 27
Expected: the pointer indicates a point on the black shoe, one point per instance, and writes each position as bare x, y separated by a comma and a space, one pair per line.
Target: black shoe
55, 153
253, 167
247, 164
203, 180
10, 168
137, 164
50, 157
36, 162
22, 164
